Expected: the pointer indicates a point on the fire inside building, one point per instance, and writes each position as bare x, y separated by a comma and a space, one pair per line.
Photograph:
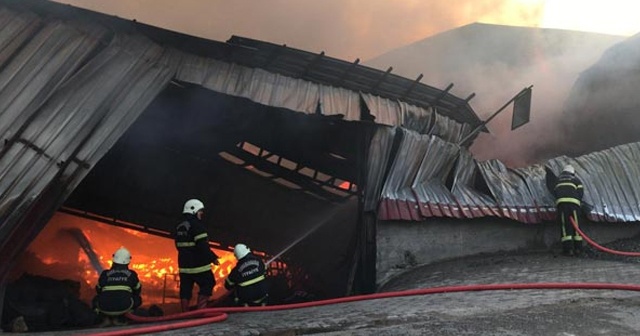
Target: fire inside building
329, 170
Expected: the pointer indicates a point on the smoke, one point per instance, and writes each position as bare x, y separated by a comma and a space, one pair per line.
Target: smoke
495, 69
345, 29
496, 62
602, 108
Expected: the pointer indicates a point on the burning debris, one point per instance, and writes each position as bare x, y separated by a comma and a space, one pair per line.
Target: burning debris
76, 248
54, 282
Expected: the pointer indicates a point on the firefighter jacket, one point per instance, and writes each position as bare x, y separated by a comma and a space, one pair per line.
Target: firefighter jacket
194, 254
247, 278
568, 189
118, 290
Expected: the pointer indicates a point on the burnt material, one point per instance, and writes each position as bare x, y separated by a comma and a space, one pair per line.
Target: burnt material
42, 304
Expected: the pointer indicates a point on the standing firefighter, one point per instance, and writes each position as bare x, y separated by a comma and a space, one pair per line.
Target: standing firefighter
247, 278
118, 290
194, 256
568, 192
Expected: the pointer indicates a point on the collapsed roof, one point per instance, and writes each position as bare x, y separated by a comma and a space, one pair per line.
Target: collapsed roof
121, 122
434, 178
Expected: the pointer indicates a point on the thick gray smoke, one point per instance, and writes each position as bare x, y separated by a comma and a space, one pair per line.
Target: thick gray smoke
345, 29
602, 109
493, 63
496, 62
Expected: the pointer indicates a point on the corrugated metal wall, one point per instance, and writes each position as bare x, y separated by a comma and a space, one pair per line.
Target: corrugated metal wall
69, 89
66, 95
431, 177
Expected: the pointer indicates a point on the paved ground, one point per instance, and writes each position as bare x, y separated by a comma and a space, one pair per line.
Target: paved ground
496, 313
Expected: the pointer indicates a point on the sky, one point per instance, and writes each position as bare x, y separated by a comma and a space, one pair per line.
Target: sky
365, 29
351, 29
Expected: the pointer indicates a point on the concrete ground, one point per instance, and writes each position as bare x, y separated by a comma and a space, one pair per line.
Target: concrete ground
497, 313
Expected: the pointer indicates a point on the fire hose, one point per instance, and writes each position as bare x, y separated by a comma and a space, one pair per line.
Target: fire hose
599, 247
219, 314
211, 315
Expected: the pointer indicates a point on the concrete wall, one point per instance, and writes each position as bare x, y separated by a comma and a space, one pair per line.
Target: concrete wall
402, 246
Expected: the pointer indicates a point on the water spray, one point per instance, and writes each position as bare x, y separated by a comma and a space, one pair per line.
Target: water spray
313, 229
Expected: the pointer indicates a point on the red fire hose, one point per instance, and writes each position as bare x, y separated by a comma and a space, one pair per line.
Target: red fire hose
212, 315
599, 247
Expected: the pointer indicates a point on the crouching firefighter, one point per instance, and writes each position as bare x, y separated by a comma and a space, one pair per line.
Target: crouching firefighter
118, 290
247, 278
194, 256
568, 192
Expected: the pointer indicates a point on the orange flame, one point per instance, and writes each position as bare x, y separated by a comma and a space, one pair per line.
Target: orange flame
154, 258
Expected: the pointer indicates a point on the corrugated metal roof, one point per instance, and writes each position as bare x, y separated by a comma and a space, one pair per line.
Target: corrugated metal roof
73, 81
319, 68
416, 188
64, 109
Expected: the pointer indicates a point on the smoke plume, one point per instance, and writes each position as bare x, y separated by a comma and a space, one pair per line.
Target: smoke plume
345, 29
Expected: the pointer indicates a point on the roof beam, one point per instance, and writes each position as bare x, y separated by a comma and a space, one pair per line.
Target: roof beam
311, 64
348, 71
411, 87
382, 78
273, 55
442, 94
305, 182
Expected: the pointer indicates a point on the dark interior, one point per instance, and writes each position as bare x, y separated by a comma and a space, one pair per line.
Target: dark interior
268, 178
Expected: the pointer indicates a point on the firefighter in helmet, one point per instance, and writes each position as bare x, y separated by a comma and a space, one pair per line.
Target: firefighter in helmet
194, 255
568, 191
247, 278
118, 290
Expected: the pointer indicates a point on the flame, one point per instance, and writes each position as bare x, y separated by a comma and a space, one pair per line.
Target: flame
154, 258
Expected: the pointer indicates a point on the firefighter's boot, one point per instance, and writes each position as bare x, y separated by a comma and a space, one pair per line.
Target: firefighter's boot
202, 301
184, 304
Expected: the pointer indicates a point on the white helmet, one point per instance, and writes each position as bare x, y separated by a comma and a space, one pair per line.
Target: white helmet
241, 251
569, 169
192, 206
122, 256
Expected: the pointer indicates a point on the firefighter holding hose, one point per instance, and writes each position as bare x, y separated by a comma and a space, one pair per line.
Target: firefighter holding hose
247, 278
194, 256
568, 191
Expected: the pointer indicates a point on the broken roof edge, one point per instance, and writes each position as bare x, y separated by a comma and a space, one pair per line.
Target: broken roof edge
297, 63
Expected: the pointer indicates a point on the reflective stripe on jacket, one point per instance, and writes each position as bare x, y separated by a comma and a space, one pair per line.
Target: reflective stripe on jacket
568, 189
117, 290
192, 242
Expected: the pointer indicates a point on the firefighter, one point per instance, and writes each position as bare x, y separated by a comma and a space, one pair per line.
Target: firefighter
568, 191
194, 256
118, 290
247, 278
